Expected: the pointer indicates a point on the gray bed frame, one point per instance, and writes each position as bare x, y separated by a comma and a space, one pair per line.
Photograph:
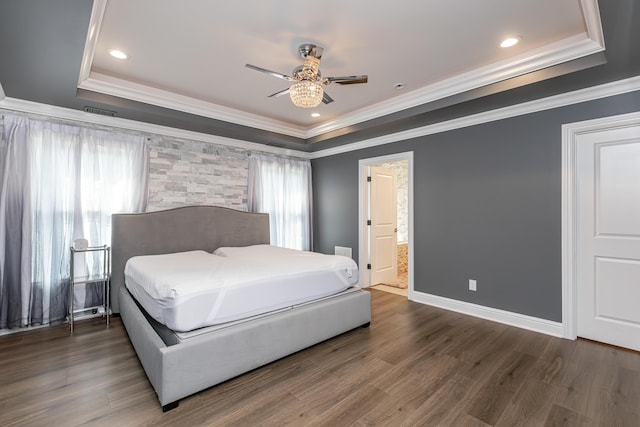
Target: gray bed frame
179, 370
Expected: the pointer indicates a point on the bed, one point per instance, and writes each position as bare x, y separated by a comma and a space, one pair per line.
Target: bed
180, 364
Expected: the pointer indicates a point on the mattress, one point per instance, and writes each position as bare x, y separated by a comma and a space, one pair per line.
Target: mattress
196, 289
171, 337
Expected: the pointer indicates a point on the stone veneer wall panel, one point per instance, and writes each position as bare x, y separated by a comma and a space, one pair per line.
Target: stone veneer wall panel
402, 169
183, 172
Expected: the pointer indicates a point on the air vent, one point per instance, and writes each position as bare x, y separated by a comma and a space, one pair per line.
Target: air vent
100, 111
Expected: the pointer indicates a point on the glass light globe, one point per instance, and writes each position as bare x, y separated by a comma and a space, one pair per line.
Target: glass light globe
306, 94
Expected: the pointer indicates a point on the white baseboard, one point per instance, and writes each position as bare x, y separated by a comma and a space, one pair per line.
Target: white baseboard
535, 324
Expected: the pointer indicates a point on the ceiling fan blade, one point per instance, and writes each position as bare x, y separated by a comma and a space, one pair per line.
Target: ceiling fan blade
326, 98
271, 73
348, 80
277, 94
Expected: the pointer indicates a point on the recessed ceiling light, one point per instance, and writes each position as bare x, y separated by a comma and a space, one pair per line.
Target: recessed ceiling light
315, 114
510, 41
118, 54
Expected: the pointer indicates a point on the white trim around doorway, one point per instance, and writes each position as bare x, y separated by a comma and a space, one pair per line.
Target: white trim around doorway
363, 244
570, 133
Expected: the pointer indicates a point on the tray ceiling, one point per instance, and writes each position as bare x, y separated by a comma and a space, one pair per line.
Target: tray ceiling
190, 56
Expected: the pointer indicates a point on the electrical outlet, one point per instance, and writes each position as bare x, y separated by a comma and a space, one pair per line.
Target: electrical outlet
473, 285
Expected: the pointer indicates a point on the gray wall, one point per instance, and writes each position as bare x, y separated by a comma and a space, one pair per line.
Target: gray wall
487, 206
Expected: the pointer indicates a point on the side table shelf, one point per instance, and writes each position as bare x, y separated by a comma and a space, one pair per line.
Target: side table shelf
103, 276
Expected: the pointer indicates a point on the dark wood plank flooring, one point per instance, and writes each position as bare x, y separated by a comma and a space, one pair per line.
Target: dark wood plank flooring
415, 366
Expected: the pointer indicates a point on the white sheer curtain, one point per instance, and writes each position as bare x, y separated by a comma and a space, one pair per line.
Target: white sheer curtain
60, 182
282, 188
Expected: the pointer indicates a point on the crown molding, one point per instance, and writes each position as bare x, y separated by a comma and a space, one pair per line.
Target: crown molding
547, 56
142, 93
95, 22
107, 85
553, 54
591, 13
569, 98
62, 113
565, 50
583, 95
2, 95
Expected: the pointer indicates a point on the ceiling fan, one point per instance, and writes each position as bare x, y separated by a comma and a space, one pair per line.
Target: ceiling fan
307, 89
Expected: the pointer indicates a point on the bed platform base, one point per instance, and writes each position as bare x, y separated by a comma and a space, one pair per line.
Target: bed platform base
170, 406
206, 360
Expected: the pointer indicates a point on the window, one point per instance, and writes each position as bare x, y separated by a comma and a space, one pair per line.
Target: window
282, 188
60, 182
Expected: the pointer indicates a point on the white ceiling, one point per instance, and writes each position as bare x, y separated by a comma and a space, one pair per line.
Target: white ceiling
190, 55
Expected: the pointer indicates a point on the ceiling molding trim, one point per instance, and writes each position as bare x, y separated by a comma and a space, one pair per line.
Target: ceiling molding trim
553, 54
52, 111
95, 22
583, 95
2, 94
108, 85
591, 13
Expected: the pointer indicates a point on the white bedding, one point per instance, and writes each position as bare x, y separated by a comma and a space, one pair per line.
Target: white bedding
190, 290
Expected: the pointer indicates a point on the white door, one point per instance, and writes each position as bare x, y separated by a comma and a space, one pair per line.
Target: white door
384, 223
608, 233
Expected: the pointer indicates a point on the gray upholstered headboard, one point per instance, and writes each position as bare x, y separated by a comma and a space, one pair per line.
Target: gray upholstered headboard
178, 230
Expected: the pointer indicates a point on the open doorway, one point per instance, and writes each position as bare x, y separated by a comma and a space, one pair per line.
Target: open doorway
386, 223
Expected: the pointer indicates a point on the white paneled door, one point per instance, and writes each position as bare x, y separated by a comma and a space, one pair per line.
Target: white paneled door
384, 223
608, 233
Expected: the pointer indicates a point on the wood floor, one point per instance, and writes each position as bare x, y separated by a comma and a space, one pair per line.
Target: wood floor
415, 366
391, 289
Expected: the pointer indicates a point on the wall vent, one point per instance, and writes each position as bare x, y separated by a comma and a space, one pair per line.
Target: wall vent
341, 250
100, 111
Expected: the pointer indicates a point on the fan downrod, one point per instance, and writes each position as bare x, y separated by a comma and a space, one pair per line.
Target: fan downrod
305, 49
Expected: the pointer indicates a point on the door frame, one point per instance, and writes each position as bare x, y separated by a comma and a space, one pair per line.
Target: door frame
570, 133
363, 200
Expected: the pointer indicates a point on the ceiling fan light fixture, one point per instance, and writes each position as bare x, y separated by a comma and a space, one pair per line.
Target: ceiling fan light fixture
306, 94
307, 88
